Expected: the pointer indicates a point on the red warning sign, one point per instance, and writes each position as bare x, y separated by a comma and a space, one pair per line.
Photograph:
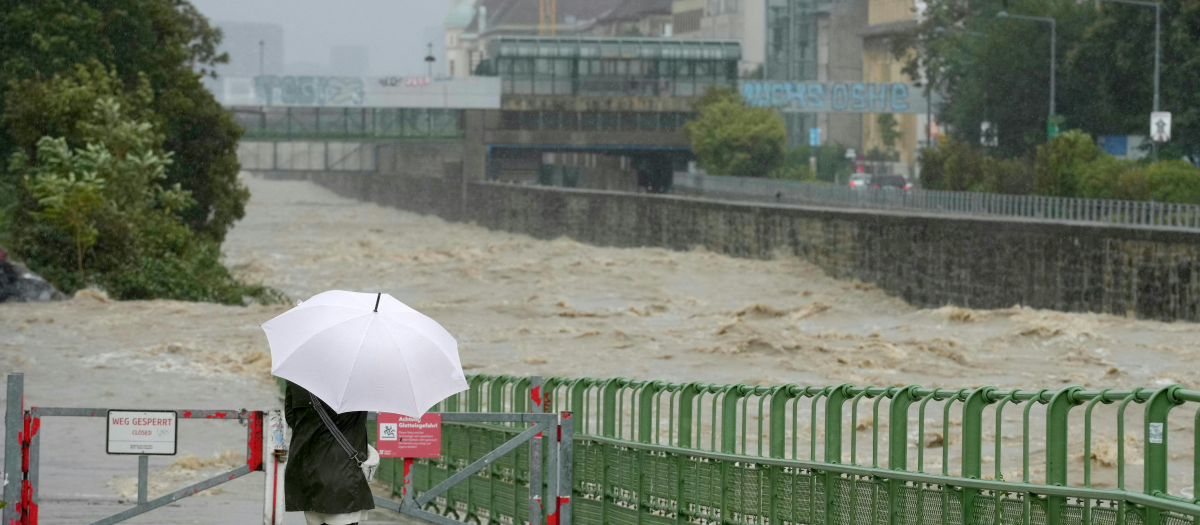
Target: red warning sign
405, 437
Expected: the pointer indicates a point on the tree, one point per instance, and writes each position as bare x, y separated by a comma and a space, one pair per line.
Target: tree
67, 199
889, 131
996, 70
169, 43
1113, 67
104, 211
729, 138
1061, 162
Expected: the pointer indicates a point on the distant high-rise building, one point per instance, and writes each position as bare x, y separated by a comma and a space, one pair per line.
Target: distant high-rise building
633, 18
247, 58
350, 61
742, 20
471, 24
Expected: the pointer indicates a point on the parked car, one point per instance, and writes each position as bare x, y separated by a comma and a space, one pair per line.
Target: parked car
897, 182
860, 181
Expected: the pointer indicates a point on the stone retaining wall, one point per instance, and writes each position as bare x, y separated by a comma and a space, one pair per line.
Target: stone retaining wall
928, 260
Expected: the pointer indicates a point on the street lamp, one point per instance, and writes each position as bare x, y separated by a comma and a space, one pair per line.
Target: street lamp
1157, 48
261, 54
1053, 57
429, 60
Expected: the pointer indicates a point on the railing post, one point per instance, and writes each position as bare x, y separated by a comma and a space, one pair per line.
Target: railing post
972, 445
733, 394
833, 444
608, 410
647, 424
566, 467
535, 455
1057, 431
686, 396
898, 447
1155, 463
778, 428
14, 420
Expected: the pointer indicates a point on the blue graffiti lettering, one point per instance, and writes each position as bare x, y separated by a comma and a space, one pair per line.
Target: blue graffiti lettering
856, 95
899, 97
816, 96
752, 92
877, 96
795, 93
841, 97
778, 94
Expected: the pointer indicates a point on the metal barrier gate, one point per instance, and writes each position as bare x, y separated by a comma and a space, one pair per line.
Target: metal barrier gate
22, 448
22, 454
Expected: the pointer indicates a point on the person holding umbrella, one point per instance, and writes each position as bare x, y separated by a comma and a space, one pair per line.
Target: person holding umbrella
321, 480
344, 354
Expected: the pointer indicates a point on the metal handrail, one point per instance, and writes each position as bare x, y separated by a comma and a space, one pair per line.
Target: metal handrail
1150, 214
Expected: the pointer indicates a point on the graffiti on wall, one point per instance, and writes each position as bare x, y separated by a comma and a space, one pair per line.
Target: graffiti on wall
836, 97
310, 91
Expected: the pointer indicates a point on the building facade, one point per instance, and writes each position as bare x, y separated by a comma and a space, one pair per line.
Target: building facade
741, 20
840, 59
887, 19
472, 24
637, 18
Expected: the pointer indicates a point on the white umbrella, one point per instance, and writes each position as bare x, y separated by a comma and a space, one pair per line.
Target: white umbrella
365, 352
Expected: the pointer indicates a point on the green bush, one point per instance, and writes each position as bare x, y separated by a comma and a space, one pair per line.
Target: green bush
1060, 162
729, 138
1071, 165
1108, 177
831, 164
962, 166
1174, 181
932, 162
98, 211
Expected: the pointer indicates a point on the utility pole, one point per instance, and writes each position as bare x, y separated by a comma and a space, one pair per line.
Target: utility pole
262, 44
1157, 50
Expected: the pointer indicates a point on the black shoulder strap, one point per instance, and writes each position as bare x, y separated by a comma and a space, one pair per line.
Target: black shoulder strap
337, 434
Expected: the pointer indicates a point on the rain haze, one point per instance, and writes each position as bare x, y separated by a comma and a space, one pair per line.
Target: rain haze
393, 34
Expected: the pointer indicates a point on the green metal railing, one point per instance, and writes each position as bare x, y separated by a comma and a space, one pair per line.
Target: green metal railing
659, 452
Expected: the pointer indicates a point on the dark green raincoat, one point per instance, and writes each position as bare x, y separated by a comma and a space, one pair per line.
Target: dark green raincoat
320, 476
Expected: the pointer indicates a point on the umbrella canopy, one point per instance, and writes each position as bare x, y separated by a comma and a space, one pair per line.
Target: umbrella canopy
365, 352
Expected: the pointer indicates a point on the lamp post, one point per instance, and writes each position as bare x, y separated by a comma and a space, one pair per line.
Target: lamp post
1157, 48
262, 44
429, 60
1053, 56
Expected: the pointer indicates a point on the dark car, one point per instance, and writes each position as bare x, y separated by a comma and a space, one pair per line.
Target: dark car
890, 182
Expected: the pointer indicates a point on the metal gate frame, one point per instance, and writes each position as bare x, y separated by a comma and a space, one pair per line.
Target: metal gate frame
559, 465
21, 434
561, 431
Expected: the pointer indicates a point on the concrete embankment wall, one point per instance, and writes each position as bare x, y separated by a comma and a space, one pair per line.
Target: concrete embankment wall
928, 260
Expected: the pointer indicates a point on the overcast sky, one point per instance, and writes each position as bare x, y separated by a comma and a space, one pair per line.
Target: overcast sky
395, 31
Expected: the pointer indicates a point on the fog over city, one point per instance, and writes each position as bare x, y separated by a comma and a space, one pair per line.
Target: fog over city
393, 33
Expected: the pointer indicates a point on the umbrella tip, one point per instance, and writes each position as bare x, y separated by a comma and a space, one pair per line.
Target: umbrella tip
377, 297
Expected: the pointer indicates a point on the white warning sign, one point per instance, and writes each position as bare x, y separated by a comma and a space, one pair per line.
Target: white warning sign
1160, 126
142, 433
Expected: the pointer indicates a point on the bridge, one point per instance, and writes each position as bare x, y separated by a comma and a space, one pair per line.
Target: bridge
587, 112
